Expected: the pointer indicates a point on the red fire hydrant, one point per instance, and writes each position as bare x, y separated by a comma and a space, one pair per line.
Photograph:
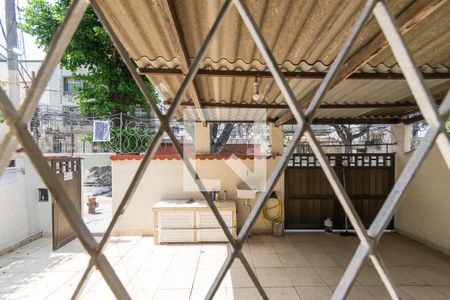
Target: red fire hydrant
92, 204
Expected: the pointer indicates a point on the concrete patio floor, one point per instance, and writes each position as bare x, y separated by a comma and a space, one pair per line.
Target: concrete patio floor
295, 266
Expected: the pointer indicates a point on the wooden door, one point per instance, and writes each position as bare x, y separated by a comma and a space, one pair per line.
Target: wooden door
68, 171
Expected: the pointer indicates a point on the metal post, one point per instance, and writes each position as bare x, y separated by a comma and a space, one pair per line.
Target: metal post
120, 133
11, 45
72, 141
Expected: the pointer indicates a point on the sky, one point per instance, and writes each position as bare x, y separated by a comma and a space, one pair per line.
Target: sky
26, 42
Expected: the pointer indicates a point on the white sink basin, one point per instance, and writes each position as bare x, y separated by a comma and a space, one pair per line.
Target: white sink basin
246, 192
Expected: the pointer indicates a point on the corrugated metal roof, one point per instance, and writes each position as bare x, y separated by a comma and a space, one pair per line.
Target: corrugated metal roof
305, 35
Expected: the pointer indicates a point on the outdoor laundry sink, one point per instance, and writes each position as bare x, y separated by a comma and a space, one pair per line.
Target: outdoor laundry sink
244, 191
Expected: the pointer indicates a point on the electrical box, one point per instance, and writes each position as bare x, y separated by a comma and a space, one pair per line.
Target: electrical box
43, 195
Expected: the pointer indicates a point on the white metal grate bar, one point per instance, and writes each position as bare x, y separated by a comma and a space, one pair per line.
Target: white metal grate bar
164, 121
245, 14
443, 139
317, 99
153, 145
349, 209
122, 206
401, 53
216, 212
340, 58
386, 212
427, 106
149, 153
338, 188
56, 50
369, 239
444, 109
350, 273
379, 265
18, 120
269, 59
61, 197
393, 200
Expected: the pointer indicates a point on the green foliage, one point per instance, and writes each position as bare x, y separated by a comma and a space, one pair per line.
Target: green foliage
109, 87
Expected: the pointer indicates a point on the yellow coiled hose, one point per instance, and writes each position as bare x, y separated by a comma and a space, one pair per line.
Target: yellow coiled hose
267, 211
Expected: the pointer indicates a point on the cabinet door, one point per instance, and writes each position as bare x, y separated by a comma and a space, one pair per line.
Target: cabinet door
176, 236
207, 220
175, 220
211, 235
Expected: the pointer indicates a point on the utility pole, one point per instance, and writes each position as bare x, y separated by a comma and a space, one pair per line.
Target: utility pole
11, 45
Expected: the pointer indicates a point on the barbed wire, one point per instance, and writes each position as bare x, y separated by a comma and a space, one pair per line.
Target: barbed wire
378, 139
66, 130
59, 130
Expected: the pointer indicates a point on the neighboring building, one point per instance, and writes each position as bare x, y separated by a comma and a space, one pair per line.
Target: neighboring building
56, 125
60, 90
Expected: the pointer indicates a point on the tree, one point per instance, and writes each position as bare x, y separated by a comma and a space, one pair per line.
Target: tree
348, 133
218, 141
108, 86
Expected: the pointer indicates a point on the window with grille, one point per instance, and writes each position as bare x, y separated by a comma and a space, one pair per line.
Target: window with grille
140, 112
72, 86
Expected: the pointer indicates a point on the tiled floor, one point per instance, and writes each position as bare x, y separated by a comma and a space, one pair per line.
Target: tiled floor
295, 266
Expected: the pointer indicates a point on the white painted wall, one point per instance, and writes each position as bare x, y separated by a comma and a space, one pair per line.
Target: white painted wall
42, 211
3, 131
13, 207
31, 66
164, 180
424, 213
21, 215
21, 197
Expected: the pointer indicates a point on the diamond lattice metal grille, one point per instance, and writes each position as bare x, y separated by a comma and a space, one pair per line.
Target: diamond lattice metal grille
17, 121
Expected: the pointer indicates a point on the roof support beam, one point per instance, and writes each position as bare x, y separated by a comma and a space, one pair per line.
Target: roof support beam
285, 106
168, 12
411, 120
379, 120
438, 93
357, 121
407, 20
345, 121
294, 75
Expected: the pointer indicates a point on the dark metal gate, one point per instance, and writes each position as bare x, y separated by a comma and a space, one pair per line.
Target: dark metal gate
68, 171
367, 178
